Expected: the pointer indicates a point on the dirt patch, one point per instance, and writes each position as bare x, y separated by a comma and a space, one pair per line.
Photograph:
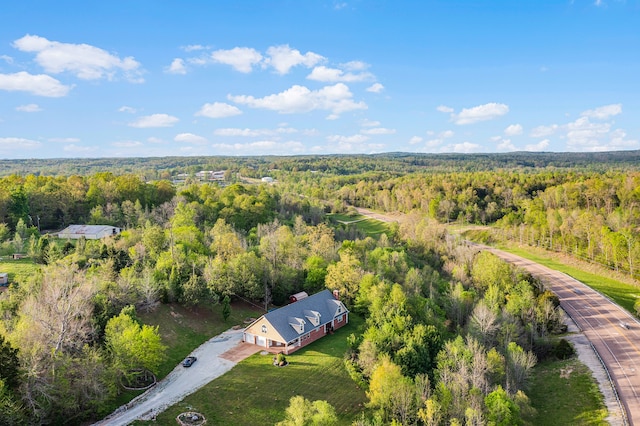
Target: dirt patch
241, 351
565, 373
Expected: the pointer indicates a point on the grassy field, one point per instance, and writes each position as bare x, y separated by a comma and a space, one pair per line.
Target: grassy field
255, 392
18, 270
369, 226
622, 293
565, 393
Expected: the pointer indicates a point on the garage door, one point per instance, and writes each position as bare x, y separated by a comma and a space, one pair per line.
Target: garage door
261, 341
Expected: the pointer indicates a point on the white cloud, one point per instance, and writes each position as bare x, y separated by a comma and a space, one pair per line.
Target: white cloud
240, 58
7, 59
40, 84
513, 130
85, 61
64, 140
176, 67
155, 140
29, 108
127, 144
283, 58
540, 146
193, 47
79, 149
375, 88
582, 133
218, 110
445, 109
347, 139
378, 131
190, 138
543, 131
603, 112
19, 143
355, 66
415, 140
299, 99
478, 113
506, 145
155, 120
243, 132
266, 147
463, 148
368, 123
333, 75
446, 134
127, 109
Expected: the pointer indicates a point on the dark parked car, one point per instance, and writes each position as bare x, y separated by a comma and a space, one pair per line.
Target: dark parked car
188, 361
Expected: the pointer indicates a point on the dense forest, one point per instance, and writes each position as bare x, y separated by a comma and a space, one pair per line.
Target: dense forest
450, 334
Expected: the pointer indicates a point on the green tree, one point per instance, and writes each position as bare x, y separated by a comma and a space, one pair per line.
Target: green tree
226, 308
302, 412
501, 410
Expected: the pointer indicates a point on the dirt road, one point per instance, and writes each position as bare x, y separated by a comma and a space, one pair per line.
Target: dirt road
213, 361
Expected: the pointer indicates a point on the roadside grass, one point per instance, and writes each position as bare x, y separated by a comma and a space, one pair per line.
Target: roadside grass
369, 226
255, 392
621, 293
19, 270
565, 393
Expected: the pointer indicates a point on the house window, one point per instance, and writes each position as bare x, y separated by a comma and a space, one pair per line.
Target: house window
339, 309
264, 328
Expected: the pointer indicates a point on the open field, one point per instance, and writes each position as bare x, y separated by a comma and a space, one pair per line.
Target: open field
256, 393
565, 393
367, 225
18, 270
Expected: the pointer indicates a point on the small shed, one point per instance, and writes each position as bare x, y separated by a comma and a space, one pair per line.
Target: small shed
4, 279
90, 232
298, 296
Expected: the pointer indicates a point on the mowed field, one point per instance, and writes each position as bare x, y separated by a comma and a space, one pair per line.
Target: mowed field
255, 392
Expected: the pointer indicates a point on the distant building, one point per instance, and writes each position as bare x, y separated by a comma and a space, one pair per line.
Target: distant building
90, 232
267, 179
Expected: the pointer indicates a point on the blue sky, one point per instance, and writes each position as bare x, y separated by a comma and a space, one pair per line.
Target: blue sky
159, 77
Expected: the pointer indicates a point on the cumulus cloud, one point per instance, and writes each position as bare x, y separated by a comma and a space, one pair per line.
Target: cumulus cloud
369, 123
478, 113
218, 110
155, 120
445, 109
462, 148
603, 112
375, 88
85, 61
19, 143
177, 67
40, 84
79, 149
582, 133
127, 144
190, 138
29, 108
506, 145
240, 58
347, 139
415, 140
446, 134
543, 131
540, 146
378, 131
7, 59
351, 144
265, 147
253, 132
513, 130
283, 58
127, 109
64, 140
299, 99
193, 47
333, 75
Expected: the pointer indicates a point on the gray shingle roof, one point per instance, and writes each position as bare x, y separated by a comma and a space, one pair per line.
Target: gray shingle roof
323, 302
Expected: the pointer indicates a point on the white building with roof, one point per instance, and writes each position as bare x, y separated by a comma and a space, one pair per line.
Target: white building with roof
90, 232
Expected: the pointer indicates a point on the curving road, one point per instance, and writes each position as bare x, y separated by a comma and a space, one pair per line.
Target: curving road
614, 332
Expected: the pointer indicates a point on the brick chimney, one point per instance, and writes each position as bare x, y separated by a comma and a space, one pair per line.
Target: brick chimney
336, 294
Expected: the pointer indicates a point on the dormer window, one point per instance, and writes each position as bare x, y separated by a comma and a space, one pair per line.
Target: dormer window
313, 317
264, 328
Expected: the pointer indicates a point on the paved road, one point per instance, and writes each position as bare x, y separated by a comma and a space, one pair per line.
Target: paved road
603, 323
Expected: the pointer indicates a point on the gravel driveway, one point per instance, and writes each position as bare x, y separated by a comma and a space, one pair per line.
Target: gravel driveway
212, 363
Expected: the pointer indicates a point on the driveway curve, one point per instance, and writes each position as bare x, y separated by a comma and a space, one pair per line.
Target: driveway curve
215, 357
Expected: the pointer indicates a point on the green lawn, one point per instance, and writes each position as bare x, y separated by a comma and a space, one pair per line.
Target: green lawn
255, 392
367, 225
623, 294
18, 270
565, 393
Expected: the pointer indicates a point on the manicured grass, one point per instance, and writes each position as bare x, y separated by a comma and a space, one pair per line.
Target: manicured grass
18, 270
565, 393
255, 392
184, 329
369, 226
623, 294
